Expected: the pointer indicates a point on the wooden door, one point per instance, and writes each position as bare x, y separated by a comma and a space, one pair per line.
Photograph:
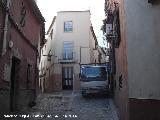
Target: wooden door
67, 78
14, 88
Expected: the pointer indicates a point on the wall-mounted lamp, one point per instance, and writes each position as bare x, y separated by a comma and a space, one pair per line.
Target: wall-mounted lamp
49, 56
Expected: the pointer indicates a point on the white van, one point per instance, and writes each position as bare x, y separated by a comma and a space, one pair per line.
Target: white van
93, 80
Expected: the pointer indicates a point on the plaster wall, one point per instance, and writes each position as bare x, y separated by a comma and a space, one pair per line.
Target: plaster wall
142, 32
81, 37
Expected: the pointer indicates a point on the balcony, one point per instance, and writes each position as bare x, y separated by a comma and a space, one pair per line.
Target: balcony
110, 36
68, 57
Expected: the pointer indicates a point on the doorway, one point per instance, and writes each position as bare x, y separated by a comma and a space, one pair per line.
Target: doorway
14, 88
67, 78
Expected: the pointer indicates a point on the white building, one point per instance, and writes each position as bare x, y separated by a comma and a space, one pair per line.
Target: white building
71, 41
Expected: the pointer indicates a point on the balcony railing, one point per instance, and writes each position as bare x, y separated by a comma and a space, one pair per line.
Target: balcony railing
68, 57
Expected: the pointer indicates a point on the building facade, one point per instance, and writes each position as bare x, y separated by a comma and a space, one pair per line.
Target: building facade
71, 42
132, 29
21, 34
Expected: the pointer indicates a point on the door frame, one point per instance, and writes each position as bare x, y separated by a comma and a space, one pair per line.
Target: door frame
69, 71
14, 84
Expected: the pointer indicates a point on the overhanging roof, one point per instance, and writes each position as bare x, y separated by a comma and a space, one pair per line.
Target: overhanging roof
36, 10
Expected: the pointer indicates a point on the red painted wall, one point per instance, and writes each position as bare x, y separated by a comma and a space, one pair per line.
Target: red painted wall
27, 52
31, 31
32, 25
2, 19
27, 49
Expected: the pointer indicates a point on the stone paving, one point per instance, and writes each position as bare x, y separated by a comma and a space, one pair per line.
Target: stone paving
68, 105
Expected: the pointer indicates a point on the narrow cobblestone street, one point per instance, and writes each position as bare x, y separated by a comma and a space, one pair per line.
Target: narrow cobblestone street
70, 105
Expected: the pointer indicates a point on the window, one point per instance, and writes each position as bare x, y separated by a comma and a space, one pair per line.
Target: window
68, 26
120, 82
93, 73
68, 50
29, 76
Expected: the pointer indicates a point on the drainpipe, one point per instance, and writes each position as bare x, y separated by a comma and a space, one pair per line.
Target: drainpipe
6, 28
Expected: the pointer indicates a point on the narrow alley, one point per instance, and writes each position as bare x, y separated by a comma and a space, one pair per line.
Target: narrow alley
54, 53
68, 105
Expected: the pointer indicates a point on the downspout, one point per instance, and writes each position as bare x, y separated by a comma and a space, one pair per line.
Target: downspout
36, 77
6, 28
36, 81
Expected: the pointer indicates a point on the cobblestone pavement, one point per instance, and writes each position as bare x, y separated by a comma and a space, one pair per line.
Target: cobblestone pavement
70, 105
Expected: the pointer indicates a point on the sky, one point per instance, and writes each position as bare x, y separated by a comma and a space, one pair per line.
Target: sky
49, 9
